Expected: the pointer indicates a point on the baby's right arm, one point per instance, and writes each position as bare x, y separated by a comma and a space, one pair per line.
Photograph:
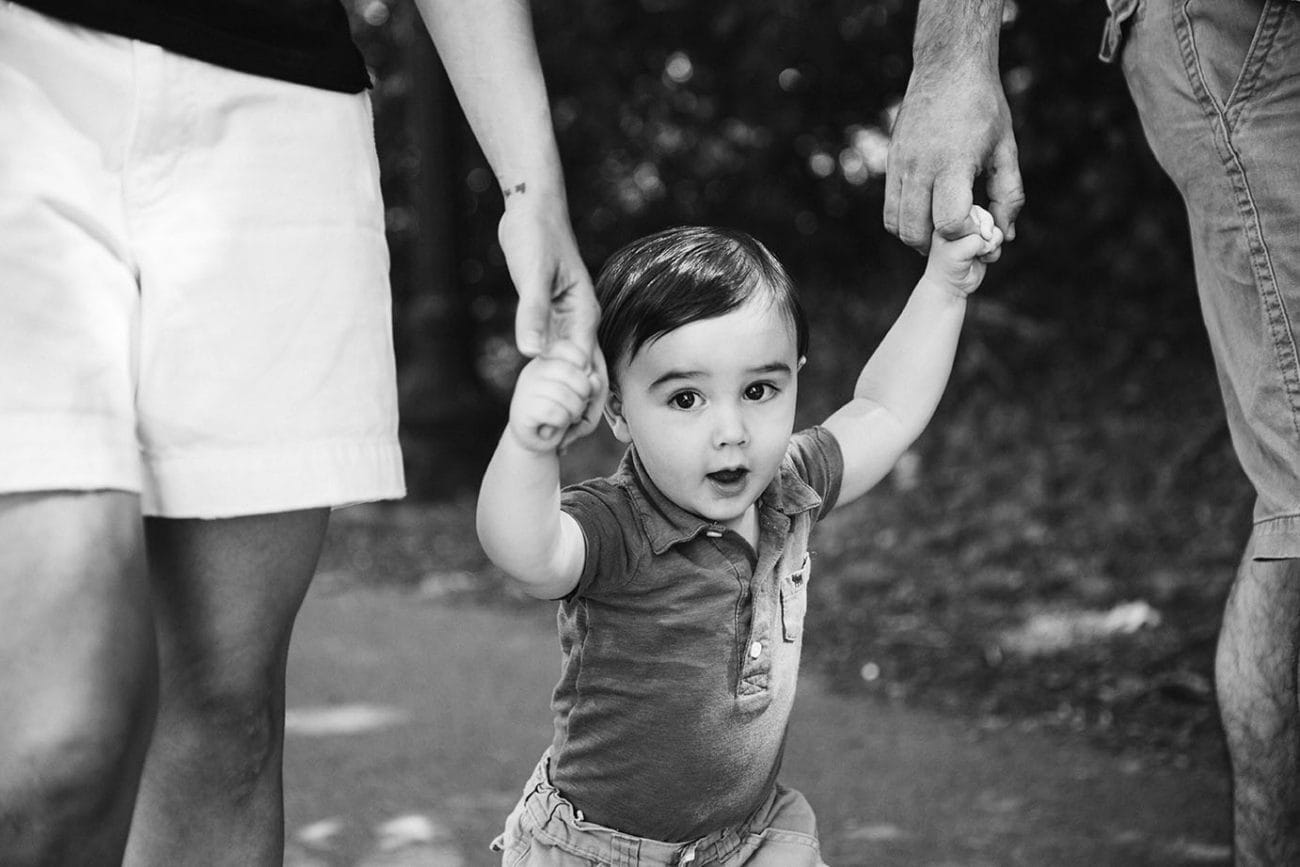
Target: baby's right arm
520, 524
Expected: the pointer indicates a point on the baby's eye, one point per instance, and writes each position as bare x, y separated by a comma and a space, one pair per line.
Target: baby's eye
758, 391
684, 399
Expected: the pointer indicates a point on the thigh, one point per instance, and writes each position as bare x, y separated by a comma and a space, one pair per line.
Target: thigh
226, 593
76, 631
1218, 88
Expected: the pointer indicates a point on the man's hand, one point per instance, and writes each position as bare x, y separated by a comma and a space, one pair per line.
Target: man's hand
954, 124
556, 299
959, 265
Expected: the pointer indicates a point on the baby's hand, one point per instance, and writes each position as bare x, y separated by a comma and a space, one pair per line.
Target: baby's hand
551, 396
959, 265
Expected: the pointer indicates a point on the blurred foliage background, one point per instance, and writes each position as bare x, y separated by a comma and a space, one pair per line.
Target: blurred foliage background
1080, 457
773, 117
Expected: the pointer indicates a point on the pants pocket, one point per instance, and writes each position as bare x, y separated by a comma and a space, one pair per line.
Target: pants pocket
1228, 46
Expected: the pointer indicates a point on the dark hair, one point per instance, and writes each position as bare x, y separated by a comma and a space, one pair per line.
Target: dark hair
682, 275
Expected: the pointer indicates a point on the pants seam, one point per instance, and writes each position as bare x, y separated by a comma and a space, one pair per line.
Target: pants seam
1265, 278
1277, 519
1261, 46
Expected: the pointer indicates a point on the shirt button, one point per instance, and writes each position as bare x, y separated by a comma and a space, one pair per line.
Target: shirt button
756, 649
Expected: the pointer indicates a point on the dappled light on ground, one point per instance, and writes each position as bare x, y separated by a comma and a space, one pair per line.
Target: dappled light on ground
340, 719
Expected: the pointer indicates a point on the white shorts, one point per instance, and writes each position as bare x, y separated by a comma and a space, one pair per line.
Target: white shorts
194, 296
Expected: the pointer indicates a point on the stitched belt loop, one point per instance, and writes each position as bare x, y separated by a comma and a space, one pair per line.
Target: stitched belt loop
624, 851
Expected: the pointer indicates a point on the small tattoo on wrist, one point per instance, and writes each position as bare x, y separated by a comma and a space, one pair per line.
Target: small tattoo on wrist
520, 187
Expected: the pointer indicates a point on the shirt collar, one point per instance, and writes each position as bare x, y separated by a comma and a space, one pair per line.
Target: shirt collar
667, 524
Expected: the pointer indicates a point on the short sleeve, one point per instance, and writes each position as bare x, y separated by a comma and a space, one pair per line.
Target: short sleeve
606, 518
816, 458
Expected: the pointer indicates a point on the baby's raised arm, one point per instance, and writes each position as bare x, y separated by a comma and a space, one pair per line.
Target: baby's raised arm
520, 524
900, 386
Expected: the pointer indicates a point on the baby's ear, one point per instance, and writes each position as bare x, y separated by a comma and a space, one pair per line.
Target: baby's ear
803, 359
613, 412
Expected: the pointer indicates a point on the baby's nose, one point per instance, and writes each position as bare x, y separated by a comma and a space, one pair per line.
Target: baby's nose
729, 428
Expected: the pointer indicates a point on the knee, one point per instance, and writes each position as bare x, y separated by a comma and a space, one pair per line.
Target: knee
73, 762
234, 734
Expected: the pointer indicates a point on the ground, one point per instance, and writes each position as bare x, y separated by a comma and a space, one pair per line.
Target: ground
413, 720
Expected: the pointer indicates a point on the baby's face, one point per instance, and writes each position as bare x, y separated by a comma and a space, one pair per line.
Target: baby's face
710, 407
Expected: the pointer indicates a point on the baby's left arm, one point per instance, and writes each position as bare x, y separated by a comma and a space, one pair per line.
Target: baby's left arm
900, 386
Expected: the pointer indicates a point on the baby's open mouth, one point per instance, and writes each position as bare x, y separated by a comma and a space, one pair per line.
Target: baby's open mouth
729, 477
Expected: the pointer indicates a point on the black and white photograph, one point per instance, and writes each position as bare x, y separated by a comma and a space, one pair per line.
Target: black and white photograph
649, 433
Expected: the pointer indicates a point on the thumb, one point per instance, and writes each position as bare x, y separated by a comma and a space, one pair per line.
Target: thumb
531, 317
583, 313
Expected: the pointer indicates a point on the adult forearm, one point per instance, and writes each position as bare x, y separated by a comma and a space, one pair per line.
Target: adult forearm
490, 54
954, 33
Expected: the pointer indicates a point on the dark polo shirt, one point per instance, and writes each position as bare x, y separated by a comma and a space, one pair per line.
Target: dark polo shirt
681, 648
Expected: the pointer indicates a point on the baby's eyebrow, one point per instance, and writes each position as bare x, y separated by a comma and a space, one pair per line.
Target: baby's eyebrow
676, 374
670, 376
774, 367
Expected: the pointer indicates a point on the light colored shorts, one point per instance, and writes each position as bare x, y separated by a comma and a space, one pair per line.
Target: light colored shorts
1217, 86
546, 830
194, 297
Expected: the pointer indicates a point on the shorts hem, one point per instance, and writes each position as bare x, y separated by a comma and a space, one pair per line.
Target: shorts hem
231, 483
1276, 538
87, 453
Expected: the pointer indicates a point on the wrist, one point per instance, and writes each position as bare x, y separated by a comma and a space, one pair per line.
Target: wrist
954, 39
535, 188
942, 289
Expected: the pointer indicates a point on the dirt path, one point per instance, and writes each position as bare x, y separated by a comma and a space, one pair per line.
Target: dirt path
412, 725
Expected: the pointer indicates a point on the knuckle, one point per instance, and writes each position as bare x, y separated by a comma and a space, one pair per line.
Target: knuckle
912, 238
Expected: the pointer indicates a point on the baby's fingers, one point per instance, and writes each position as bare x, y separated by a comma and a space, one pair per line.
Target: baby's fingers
568, 352
551, 395
563, 370
563, 385
543, 428
991, 249
541, 419
966, 248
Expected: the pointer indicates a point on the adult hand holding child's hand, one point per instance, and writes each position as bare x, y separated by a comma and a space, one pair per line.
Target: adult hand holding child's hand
959, 264
556, 300
551, 396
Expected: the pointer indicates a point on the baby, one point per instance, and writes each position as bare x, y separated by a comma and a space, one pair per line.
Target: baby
683, 577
